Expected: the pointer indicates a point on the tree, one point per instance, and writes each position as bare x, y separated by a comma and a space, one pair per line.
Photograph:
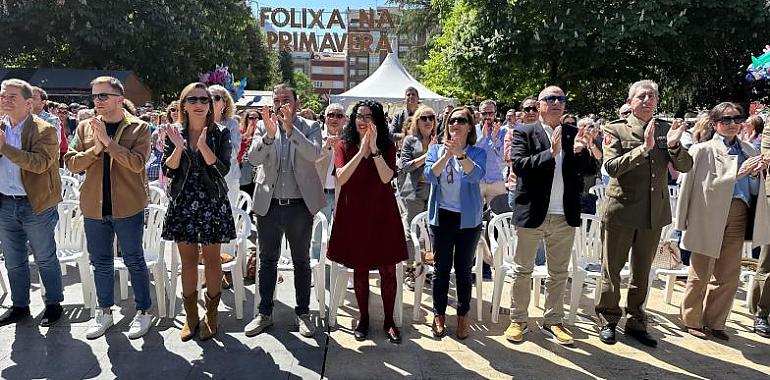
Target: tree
286, 64
306, 93
167, 43
594, 49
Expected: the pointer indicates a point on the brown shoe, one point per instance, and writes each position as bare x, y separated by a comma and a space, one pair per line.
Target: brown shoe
720, 334
463, 327
439, 326
191, 316
698, 333
209, 325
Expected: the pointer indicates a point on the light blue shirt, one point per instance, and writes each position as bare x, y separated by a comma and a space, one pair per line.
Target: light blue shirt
748, 185
53, 120
450, 192
495, 161
470, 190
11, 173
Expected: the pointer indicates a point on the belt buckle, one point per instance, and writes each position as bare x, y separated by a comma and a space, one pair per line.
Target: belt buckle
284, 202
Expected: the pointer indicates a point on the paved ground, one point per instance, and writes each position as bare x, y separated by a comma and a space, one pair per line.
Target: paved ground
62, 352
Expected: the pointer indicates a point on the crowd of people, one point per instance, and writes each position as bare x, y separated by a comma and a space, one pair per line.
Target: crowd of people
371, 175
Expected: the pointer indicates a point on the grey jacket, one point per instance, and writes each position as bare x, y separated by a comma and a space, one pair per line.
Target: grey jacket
412, 188
305, 148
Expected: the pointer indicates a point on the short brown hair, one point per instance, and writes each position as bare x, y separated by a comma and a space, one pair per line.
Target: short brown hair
719, 110
284, 86
468, 113
112, 81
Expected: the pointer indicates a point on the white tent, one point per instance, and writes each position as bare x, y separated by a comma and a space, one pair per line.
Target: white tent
387, 84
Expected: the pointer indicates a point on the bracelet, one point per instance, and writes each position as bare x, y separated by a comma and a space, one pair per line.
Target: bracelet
378, 154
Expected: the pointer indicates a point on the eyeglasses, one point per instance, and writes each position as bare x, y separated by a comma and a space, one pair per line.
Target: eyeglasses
364, 117
196, 99
103, 96
490, 113
458, 120
217, 98
252, 118
530, 109
738, 119
172, 110
427, 117
551, 99
334, 116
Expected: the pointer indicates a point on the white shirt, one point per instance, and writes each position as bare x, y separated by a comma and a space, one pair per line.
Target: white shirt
556, 204
330, 179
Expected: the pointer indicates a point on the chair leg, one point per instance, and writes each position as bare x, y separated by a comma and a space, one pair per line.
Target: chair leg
497, 293
536, 286
2, 283
670, 279
419, 284
123, 277
337, 293
63, 269
576, 292
160, 289
597, 290
239, 291
172, 281
85, 282
749, 289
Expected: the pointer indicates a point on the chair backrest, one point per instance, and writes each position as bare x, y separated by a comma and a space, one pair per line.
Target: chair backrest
598, 191
420, 233
244, 201
319, 222
158, 196
69, 230
673, 197
499, 204
153, 227
242, 233
588, 241
70, 188
502, 238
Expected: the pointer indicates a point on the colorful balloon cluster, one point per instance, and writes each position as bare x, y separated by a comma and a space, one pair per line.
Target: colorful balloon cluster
221, 76
759, 69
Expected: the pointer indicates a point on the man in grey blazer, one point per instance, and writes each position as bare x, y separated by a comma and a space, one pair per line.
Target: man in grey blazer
287, 194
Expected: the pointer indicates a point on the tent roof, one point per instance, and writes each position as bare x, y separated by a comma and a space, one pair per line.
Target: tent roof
388, 82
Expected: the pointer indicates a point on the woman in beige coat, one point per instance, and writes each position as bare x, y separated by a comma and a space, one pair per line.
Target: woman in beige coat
717, 211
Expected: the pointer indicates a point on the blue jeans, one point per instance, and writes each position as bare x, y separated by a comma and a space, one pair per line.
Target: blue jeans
456, 246
18, 226
100, 235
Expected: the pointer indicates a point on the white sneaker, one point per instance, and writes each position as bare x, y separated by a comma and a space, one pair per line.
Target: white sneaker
99, 325
140, 325
258, 325
305, 325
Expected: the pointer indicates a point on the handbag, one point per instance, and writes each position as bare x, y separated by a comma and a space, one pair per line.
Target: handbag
667, 256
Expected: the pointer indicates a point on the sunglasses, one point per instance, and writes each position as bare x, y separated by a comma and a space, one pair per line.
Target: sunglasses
196, 99
103, 96
252, 118
335, 115
427, 117
217, 98
172, 110
551, 99
732, 119
458, 120
530, 109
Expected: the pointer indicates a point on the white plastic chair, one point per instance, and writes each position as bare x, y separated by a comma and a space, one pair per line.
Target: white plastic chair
154, 256
599, 191
244, 201
420, 232
673, 197
502, 235
70, 244
317, 266
3, 286
158, 195
748, 276
70, 188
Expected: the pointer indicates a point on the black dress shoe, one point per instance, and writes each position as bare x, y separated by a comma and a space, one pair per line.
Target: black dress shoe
643, 337
394, 336
14, 314
762, 327
360, 332
52, 314
607, 333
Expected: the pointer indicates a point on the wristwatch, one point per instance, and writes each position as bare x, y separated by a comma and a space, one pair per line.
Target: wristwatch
378, 154
461, 157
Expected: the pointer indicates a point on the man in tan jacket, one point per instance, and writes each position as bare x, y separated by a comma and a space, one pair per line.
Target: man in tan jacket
30, 190
759, 304
112, 149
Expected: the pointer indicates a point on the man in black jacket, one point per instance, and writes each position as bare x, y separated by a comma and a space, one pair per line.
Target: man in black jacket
549, 160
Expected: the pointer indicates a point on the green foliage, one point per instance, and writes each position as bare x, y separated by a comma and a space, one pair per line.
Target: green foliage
286, 67
307, 96
507, 50
166, 42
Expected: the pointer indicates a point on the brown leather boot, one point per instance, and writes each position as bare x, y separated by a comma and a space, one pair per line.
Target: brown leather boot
463, 327
191, 316
439, 326
209, 325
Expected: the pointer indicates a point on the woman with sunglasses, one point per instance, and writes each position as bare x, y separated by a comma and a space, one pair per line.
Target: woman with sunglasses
247, 128
367, 231
454, 171
531, 115
197, 157
414, 149
224, 110
715, 222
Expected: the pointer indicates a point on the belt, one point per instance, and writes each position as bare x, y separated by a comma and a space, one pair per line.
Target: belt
329, 191
287, 201
16, 197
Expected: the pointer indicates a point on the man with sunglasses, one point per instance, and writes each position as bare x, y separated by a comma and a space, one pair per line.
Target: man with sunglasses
112, 149
335, 122
550, 161
637, 151
288, 193
30, 191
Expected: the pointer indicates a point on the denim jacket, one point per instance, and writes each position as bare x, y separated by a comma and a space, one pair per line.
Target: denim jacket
470, 190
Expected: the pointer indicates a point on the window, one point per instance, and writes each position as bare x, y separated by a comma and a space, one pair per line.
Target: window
317, 70
318, 83
338, 71
338, 84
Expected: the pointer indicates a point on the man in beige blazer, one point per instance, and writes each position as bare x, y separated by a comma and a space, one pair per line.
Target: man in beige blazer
335, 122
718, 209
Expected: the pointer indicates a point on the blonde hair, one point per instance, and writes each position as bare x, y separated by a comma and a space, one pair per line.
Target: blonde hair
414, 130
229, 110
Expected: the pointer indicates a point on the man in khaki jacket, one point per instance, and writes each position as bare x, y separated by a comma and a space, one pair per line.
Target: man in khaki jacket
112, 149
637, 151
30, 190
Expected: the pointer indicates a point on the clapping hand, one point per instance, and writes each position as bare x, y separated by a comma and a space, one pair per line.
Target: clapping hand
753, 165
649, 136
363, 148
678, 127
2, 139
201, 144
331, 141
270, 120
372, 132
453, 147
286, 118
556, 142
583, 140
100, 132
175, 136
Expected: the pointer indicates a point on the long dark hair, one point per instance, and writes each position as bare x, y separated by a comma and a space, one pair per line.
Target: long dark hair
350, 132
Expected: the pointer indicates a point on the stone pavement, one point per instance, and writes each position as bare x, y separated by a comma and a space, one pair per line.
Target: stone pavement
62, 352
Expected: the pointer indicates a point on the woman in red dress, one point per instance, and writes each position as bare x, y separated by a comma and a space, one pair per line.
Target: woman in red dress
367, 232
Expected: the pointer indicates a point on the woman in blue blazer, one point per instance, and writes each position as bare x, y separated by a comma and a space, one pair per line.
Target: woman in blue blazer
454, 171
